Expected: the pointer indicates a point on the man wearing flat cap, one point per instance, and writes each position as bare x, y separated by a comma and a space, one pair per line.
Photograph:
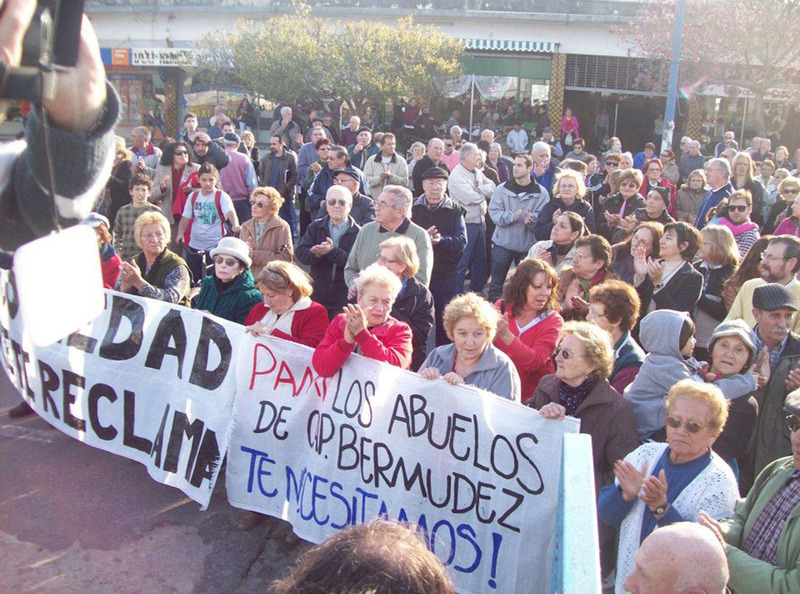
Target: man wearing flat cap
443, 219
363, 209
774, 305
762, 540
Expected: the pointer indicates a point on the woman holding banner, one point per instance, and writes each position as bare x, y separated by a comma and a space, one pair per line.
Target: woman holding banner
471, 323
367, 327
287, 311
530, 324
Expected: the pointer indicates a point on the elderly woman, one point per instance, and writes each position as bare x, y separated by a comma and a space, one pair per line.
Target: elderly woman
156, 272
325, 247
528, 329
690, 196
662, 483
560, 248
414, 302
287, 310
230, 292
502, 165
471, 322
788, 191
579, 388
568, 193
173, 180
622, 205
417, 152
647, 237
367, 326
109, 261
671, 282
267, 235
614, 307
671, 171
719, 258
589, 268
791, 224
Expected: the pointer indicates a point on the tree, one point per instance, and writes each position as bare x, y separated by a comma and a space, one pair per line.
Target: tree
747, 43
295, 56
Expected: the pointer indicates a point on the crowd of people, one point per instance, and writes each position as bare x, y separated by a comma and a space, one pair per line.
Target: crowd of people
653, 297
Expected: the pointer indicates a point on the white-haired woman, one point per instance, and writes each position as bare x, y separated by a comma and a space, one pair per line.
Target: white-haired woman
367, 326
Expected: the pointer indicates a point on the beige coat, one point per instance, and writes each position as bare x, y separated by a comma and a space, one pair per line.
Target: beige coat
275, 244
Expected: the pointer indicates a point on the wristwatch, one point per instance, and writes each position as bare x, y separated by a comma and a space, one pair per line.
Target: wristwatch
661, 509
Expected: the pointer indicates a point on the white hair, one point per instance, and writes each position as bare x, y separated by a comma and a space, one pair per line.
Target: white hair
468, 149
456, 130
285, 109
540, 145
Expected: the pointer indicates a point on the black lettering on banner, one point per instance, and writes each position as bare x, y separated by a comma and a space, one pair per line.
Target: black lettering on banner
82, 342
22, 359
169, 339
275, 420
517, 499
50, 384
98, 391
72, 379
5, 341
211, 379
496, 457
158, 441
193, 432
11, 297
207, 459
122, 307
320, 429
129, 437
536, 489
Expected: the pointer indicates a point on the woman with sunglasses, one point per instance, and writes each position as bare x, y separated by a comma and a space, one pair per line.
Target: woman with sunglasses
791, 224
662, 483
617, 207
174, 180
579, 388
788, 191
267, 235
230, 292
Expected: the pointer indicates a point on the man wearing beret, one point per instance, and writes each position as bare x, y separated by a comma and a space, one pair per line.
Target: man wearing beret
762, 540
443, 219
773, 308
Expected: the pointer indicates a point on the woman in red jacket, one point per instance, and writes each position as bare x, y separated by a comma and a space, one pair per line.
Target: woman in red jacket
287, 311
529, 328
367, 328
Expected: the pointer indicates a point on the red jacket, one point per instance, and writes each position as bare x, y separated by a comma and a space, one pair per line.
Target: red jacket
110, 269
664, 183
308, 325
532, 353
389, 342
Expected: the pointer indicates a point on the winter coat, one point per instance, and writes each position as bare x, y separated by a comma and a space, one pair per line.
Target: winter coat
233, 302
276, 242
414, 306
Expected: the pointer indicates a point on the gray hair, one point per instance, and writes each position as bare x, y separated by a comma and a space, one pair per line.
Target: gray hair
723, 164
434, 140
456, 129
142, 131
375, 274
496, 146
468, 149
540, 145
285, 109
337, 191
402, 197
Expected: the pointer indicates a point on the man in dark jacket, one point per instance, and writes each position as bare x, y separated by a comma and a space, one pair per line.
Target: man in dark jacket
207, 151
337, 159
443, 219
362, 208
278, 170
432, 158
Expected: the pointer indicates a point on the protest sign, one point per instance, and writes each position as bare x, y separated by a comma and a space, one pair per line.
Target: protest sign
146, 380
477, 473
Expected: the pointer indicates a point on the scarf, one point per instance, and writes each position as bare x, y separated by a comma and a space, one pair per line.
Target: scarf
572, 397
738, 229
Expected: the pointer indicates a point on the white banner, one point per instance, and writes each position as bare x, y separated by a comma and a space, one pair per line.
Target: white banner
477, 473
146, 380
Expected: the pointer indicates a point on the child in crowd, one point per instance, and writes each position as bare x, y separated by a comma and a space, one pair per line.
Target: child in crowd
668, 338
124, 242
203, 220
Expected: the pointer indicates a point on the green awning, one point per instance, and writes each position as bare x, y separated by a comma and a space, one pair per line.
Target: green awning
499, 45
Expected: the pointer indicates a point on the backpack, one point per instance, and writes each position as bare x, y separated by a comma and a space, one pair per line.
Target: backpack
224, 224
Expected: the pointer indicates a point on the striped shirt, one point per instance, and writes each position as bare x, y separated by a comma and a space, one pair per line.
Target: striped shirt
762, 542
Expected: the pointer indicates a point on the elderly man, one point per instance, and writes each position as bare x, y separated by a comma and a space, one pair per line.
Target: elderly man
337, 159
457, 133
386, 167
764, 151
392, 212
762, 540
443, 219
677, 559
363, 148
350, 134
471, 189
718, 178
145, 154
208, 151
238, 179
432, 158
278, 169
330, 128
691, 161
514, 208
727, 138
547, 167
362, 208
288, 128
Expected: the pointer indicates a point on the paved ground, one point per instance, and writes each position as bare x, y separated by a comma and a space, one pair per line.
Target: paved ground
77, 519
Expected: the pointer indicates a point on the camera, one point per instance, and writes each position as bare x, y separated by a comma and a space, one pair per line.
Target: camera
51, 41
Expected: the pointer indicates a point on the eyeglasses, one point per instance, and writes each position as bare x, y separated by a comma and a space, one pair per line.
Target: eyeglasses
382, 204
629, 185
258, 203
447, 145
612, 164
793, 423
691, 426
220, 260
181, 153
152, 236
565, 354
738, 208
578, 256
768, 257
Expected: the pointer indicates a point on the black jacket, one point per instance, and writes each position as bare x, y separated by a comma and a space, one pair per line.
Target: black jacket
544, 223
421, 167
450, 224
415, 307
681, 293
711, 298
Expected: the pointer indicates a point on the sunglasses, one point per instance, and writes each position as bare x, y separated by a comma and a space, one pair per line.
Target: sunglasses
691, 426
793, 423
181, 153
227, 261
791, 192
738, 208
335, 201
258, 203
565, 354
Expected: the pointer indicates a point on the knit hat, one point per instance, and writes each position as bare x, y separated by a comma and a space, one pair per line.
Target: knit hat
774, 296
663, 192
740, 329
231, 246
